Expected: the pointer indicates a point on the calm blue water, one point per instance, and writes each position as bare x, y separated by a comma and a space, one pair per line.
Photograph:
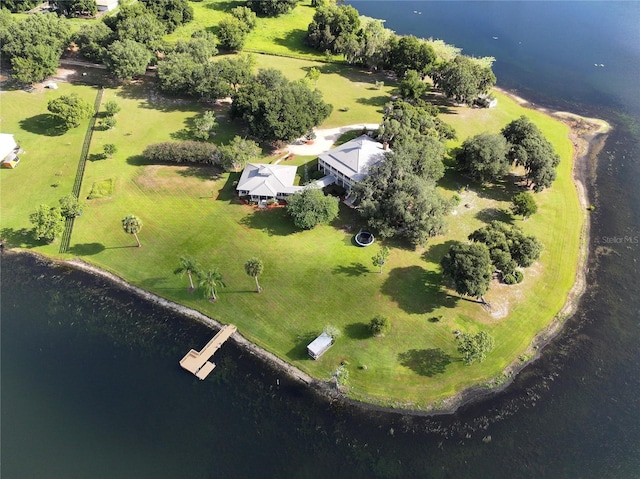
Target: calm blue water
90, 385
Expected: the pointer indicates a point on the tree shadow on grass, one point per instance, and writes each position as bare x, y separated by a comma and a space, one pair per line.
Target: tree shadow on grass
138, 160
425, 362
357, 331
488, 215
227, 192
416, 290
44, 124
294, 41
379, 101
22, 238
354, 269
299, 351
86, 249
201, 172
274, 222
97, 157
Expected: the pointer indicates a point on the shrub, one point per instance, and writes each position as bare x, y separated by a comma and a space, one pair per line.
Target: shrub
70, 207
182, 152
332, 331
380, 326
518, 276
111, 108
509, 278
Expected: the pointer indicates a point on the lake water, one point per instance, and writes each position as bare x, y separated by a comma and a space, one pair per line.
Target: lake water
91, 388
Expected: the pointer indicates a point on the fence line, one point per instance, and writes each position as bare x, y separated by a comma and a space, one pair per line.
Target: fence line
77, 184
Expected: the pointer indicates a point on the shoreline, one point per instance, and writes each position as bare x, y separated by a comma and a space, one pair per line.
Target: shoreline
587, 136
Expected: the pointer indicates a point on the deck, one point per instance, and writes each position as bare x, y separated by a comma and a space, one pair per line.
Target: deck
197, 362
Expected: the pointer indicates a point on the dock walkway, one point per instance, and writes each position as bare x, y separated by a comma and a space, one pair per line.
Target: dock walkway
197, 362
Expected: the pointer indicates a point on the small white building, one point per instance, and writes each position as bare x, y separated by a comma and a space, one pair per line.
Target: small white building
8, 151
349, 163
319, 346
106, 5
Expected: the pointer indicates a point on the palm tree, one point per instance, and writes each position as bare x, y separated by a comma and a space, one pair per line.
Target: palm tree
254, 267
210, 281
188, 266
132, 225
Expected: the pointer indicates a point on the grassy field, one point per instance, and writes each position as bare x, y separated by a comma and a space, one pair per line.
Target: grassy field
278, 36
312, 278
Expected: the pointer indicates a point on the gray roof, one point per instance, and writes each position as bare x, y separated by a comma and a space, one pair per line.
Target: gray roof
354, 158
261, 179
320, 345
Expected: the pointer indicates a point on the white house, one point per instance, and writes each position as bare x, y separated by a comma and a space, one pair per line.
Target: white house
262, 181
106, 5
349, 163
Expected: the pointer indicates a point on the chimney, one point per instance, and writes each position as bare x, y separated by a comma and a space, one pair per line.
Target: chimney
385, 145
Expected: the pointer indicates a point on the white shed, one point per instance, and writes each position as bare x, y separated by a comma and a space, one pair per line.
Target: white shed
106, 5
8, 146
319, 346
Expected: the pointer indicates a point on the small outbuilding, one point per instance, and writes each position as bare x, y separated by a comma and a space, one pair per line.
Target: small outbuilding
106, 5
319, 346
8, 151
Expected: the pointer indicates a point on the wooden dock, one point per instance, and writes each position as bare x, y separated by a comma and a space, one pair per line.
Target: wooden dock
197, 362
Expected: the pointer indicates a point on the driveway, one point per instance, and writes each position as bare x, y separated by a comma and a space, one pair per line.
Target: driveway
325, 138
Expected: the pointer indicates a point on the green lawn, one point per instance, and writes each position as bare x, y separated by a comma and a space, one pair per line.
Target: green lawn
278, 36
312, 278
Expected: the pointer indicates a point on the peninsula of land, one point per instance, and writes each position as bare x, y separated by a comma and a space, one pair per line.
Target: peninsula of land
312, 279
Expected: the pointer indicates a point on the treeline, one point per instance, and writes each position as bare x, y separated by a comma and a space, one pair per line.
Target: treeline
339, 29
232, 156
127, 42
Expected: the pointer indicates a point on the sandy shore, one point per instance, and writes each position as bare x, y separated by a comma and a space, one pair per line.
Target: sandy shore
587, 135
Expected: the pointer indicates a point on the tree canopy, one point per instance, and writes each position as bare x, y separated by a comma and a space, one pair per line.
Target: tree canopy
469, 267
484, 157
509, 247
254, 268
48, 223
93, 39
474, 347
232, 33
311, 207
463, 79
275, 108
333, 27
396, 201
182, 152
71, 109
412, 86
127, 59
72, 8
171, 13
34, 45
238, 153
132, 225
272, 8
524, 204
530, 149
410, 53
